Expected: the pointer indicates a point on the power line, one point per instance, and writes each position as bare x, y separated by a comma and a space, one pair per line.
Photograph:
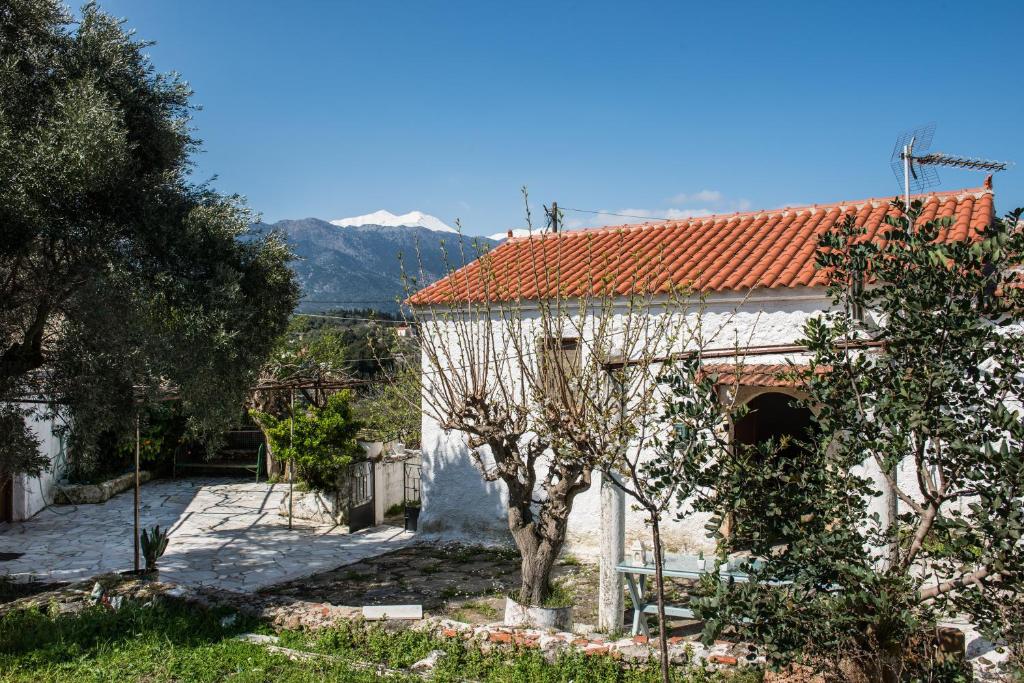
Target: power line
621, 215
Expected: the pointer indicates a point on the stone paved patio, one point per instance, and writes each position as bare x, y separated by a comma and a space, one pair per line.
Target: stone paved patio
224, 534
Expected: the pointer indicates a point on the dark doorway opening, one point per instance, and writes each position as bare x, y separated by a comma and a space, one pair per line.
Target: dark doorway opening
7, 500
774, 416
777, 419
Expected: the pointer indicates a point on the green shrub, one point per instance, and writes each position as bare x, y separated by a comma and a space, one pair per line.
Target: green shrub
323, 444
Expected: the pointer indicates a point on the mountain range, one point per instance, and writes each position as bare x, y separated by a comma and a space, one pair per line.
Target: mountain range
358, 262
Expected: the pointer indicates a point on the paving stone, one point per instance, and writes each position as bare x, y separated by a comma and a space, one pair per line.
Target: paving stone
222, 534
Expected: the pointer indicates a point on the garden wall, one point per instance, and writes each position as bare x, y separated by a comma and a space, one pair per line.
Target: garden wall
32, 494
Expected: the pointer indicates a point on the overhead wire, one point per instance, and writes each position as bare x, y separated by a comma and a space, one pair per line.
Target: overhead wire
621, 215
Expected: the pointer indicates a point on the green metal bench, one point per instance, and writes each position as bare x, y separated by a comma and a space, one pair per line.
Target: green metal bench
233, 459
644, 603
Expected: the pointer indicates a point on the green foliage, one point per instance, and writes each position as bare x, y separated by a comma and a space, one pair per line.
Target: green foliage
927, 379
390, 408
170, 641
462, 662
319, 441
19, 446
153, 543
117, 271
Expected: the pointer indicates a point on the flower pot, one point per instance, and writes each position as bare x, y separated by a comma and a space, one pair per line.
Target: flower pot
412, 517
524, 616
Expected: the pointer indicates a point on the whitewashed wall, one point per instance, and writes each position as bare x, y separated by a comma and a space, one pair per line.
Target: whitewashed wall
389, 483
458, 503
32, 494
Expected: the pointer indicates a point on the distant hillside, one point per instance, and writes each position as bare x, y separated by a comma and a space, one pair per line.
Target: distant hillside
359, 267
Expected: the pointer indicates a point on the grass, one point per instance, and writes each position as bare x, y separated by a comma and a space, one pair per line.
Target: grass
468, 611
570, 560
560, 596
168, 641
461, 662
157, 643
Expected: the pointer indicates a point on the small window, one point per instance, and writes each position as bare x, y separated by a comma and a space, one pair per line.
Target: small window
559, 365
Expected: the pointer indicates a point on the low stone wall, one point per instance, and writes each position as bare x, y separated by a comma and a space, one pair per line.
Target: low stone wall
316, 506
635, 650
85, 494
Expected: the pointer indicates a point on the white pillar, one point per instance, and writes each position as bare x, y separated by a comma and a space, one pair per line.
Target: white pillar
613, 547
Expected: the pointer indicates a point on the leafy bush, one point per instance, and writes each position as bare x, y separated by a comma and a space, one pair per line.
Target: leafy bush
925, 405
391, 408
19, 447
319, 442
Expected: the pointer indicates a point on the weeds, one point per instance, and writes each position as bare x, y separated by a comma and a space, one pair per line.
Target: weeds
170, 641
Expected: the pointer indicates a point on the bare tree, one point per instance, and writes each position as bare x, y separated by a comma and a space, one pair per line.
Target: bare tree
677, 426
520, 368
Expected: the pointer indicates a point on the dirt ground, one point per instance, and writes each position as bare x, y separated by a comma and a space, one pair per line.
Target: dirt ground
463, 582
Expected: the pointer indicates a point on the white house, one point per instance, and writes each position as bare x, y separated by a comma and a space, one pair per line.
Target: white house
757, 274
22, 496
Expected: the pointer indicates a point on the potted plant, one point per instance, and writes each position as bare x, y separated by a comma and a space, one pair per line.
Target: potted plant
554, 613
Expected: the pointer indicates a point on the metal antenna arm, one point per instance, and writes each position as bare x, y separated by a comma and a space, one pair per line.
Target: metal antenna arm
939, 159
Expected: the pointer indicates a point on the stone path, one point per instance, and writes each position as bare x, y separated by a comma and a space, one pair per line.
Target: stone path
224, 534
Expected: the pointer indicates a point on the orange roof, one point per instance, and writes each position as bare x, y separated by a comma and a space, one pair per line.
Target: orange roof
758, 375
730, 252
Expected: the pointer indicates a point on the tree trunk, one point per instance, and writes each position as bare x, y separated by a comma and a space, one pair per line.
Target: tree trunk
659, 578
537, 552
536, 570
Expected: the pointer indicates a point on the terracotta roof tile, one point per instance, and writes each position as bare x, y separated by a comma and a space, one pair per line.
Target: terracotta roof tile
756, 375
710, 253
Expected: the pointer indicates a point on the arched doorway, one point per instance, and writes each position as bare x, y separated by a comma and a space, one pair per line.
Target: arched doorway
774, 416
778, 428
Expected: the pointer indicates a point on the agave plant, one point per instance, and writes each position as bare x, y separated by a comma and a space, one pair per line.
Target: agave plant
154, 543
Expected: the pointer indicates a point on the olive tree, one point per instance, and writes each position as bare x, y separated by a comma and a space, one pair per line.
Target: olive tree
116, 271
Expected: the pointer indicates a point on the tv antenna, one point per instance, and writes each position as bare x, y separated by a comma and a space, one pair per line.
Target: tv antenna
914, 166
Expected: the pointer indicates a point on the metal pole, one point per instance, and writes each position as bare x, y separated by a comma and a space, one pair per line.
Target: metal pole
906, 175
136, 535
907, 151
291, 465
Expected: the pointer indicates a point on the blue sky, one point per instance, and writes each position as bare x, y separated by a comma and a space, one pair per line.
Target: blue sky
333, 109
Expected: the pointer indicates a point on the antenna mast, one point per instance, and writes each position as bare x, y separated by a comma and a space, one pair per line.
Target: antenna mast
918, 169
553, 216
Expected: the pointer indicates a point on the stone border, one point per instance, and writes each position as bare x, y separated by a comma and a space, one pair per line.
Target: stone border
636, 650
88, 494
285, 613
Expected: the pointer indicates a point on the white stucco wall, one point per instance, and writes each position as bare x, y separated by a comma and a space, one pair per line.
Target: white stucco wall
389, 483
458, 503
32, 494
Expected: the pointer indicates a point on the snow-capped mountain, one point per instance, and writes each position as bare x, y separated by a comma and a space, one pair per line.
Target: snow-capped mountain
365, 266
388, 219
